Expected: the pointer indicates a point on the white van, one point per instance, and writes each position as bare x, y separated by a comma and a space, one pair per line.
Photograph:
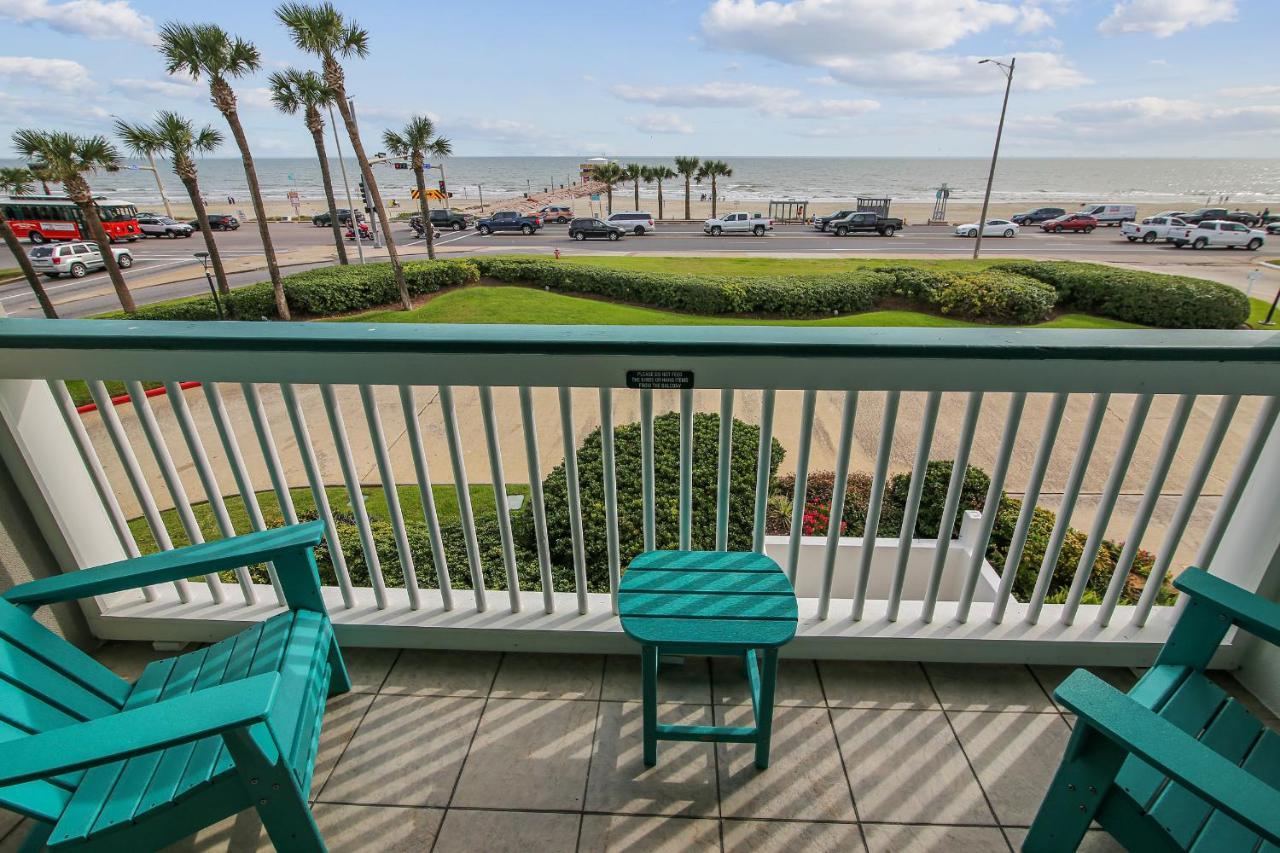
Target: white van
1110, 214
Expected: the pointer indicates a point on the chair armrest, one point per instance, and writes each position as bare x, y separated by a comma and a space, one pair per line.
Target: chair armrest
166, 723
1254, 613
203, 559
1141, 732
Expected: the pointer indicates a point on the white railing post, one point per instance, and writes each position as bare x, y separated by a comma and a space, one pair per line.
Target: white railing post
41, 456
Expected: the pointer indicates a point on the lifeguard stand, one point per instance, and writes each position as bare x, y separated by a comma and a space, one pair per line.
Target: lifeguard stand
939, 216
878, 206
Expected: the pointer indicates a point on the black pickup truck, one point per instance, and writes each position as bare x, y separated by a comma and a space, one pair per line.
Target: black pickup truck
508, 220
443, 219
865, 223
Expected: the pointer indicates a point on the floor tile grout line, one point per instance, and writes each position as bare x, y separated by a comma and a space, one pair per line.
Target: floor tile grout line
347, 745
831, 721
715, 750
1053, 703
453, 792
967, 760
591, 755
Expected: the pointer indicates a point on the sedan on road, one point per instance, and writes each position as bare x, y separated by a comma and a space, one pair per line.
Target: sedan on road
581, 229
162, 226
217, 222
993, 228
1071, 222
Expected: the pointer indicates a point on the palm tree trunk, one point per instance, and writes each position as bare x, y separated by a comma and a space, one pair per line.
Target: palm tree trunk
89, 211
419, 174
713, 196
659, 199
637, 183
372, 186
317, 135
33, 278
259, 211
609, 195
686, 198
202, 216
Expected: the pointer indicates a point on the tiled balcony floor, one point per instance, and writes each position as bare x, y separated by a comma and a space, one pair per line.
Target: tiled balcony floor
489, 752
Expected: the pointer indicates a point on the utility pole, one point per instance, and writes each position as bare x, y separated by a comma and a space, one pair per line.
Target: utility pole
1007, 70
480, 189
351, 207
164, 197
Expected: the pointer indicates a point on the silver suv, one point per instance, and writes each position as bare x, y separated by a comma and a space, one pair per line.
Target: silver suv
74, 259
162, 226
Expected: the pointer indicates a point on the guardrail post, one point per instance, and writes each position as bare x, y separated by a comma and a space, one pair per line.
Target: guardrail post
41, 455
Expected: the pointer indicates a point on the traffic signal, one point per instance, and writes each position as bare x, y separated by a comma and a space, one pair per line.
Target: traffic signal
364, 196
442, 189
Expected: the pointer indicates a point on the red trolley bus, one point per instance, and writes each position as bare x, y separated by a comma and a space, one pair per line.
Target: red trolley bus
44, 218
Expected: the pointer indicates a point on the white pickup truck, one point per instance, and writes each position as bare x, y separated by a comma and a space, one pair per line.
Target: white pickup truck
1151, 229
738, 223
1218, 233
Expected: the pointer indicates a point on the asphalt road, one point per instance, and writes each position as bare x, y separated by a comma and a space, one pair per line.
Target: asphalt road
92, 294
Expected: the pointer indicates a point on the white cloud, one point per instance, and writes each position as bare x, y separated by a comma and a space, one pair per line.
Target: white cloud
170, 87
660, 123
898, 47
100, 20
704, 94
1243, 93
1142, 121
1163, 18
826, 108
19, 110
28, 72
822, 131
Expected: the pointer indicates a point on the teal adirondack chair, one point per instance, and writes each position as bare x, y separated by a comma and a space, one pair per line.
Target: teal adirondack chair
1176, 764
102, 764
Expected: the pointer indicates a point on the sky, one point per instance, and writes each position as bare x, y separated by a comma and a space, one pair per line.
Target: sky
1132, 78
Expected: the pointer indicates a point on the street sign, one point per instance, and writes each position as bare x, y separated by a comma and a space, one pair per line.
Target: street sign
132, 167
595, 196
433, 195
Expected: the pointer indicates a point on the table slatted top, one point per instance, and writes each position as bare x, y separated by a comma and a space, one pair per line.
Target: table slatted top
717, 598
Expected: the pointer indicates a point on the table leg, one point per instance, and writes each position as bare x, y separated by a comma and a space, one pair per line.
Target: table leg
649, 670
764, 713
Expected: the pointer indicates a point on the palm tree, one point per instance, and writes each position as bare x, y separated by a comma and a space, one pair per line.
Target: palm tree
687, 166
208, 50
41, 176
323, 31
175, 137
634, 172
417, 141
65, 158
608, 174
659, 174
714, 169
17, 181
293, 90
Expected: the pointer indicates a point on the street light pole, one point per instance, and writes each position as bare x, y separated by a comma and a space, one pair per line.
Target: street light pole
204, 261
164, 197
1007, 70
351, 207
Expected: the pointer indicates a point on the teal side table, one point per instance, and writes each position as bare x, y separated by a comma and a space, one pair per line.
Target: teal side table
718, 603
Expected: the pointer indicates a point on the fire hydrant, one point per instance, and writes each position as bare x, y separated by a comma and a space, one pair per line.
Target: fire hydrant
557, 254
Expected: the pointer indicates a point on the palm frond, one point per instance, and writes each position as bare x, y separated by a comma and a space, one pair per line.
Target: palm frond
16, 180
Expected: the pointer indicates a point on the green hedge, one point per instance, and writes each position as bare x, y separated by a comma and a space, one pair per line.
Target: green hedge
320, 292
1000, 297
1135, 296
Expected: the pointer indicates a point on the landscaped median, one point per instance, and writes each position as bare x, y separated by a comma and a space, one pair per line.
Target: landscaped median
917, 293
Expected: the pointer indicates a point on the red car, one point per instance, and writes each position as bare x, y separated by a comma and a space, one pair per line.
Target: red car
1070, 222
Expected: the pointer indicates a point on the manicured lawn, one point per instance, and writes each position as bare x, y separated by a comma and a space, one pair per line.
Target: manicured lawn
7, 273
375, 500
538, 307
772, 266
1258, 312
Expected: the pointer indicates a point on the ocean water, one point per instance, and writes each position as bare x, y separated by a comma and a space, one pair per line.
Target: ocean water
1249, 183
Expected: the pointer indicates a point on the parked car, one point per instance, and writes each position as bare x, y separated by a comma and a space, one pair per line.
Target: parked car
509, 220
217, 222
1218, 234
636, 221
581, 229
321, 220
1070, 222
738, 223
1110, 214
76, 259
1040, 214
1151, 229
163, 226
993, 228
443, 218
821, 222
866, 222
559, 213
1273, 227
1221, 214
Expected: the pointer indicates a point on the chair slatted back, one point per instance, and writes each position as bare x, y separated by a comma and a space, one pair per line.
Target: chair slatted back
46, 683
